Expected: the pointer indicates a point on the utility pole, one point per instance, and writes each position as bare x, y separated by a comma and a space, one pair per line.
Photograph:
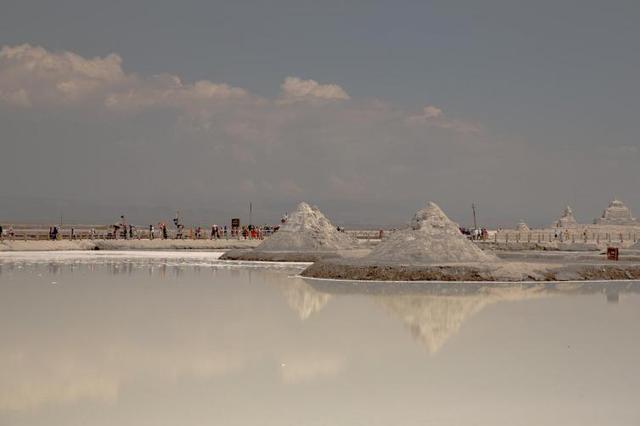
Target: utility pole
475, 223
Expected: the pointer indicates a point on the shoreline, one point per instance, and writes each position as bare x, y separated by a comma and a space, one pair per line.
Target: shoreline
156, 244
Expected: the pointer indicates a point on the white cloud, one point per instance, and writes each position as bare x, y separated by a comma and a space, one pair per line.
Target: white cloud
434, 117
34, 76
31, 75
305, 141
432, 112
294, 89
168, 91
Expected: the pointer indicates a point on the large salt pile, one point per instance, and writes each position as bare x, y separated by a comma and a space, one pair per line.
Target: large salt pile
307, 229
431, 238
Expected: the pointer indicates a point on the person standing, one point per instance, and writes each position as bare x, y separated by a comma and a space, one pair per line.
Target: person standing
122, 226
12, 233
151, 232
1, 233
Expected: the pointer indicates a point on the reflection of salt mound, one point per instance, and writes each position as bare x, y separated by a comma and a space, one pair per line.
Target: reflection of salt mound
304, 299
307, 229
432, 238
433, 319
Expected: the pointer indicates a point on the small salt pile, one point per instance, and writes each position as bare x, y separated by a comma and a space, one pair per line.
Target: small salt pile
432, 238
307, 229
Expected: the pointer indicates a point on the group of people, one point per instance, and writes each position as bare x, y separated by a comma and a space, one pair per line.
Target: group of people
53, 233
164, 233
124, 230
478, 234
10, 232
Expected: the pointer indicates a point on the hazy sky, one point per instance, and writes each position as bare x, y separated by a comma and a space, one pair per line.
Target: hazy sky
367, 109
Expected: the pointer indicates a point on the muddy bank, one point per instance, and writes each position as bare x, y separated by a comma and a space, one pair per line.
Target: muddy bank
530, 246
291, 256
502, 271
274, 256
566, 256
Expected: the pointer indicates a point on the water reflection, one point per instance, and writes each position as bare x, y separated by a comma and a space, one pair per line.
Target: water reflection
435, 312
150, 340
301, 297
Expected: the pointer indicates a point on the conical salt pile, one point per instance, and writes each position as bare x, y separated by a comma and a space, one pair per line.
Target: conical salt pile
307, 229
431, 238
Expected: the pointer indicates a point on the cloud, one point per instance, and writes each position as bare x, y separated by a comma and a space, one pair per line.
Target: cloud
306, 142
34, 76
296, 89
167, 90
434, 116
431, 112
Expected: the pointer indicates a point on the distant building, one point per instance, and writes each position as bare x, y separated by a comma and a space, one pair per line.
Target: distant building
567, 220
522, 227
616, 214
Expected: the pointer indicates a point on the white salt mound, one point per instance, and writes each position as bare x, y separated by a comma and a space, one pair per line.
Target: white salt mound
307, 229
431, 238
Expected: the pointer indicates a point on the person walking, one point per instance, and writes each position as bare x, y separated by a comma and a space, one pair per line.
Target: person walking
122, 227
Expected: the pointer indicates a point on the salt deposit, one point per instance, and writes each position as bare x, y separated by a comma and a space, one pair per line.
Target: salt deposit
617, 214
567, 220
431, 238
307, 229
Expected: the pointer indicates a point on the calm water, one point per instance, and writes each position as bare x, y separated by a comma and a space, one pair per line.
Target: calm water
184, 339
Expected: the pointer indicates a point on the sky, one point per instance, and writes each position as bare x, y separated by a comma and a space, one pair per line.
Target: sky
367, 109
